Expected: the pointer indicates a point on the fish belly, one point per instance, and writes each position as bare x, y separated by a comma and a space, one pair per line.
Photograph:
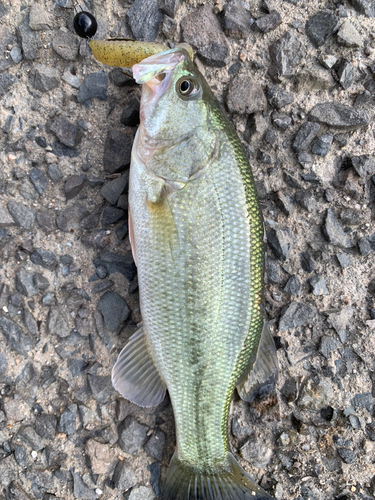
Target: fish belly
193, 256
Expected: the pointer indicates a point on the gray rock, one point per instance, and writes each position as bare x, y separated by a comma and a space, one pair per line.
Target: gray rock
23, 216
112, 215
40, 281
345, 72
132, 435
170, 7
28, 435
124, 476
296, 314
322, 146
54, 172
101, 387
237, 20
3, 363
113, 189
293, 285
339, 115
280, 240
116, 263
130, 114
286, 54
155, 445
272, 270
278, 97
114, 310
7, 39
96, 239
117, 151
15, 336
67, 423
57, 324
268, 22
103, 286
328, 60
25, 283
91, 220
285, 202
5, 218
366, 7
347, 455
321, 26
349, 36
281, 120
8, 470
80, 490
74, 185
340, 321
39, 180
71, 79
30, 41
69, 219
201, 29
67, 133
45, 426
65, 44
315, 395
6, 80
30, 322
39, 18
364, 400
44, 258
144, 18
44, 78
155, 473
305, 135
94, 85
354, 217
367, 245
306, 199
318, 286
334, 232
344, 260
245, 96
257, 451
364, 165
142, 493
327, 345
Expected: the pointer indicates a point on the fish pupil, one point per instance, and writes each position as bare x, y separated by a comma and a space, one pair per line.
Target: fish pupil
85, 24
185, 86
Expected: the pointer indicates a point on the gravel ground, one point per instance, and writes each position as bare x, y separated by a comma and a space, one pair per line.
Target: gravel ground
298, 80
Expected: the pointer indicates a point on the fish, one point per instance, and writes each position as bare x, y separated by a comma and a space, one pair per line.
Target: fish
197, 237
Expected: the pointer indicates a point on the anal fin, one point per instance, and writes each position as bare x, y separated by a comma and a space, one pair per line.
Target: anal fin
135, 375
261, 378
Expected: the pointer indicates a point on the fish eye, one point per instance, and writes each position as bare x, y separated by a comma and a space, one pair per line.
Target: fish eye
187, 87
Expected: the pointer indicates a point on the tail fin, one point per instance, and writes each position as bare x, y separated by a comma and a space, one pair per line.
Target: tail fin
230, 482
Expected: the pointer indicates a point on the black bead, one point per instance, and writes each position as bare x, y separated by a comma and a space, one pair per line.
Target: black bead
85, 24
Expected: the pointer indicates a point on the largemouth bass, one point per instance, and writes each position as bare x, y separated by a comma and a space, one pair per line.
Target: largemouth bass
196, 231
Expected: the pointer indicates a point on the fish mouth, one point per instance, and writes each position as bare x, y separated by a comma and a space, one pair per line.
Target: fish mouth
150, 70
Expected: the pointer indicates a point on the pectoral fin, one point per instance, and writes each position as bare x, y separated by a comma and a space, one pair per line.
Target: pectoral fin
135, 375
262, 375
